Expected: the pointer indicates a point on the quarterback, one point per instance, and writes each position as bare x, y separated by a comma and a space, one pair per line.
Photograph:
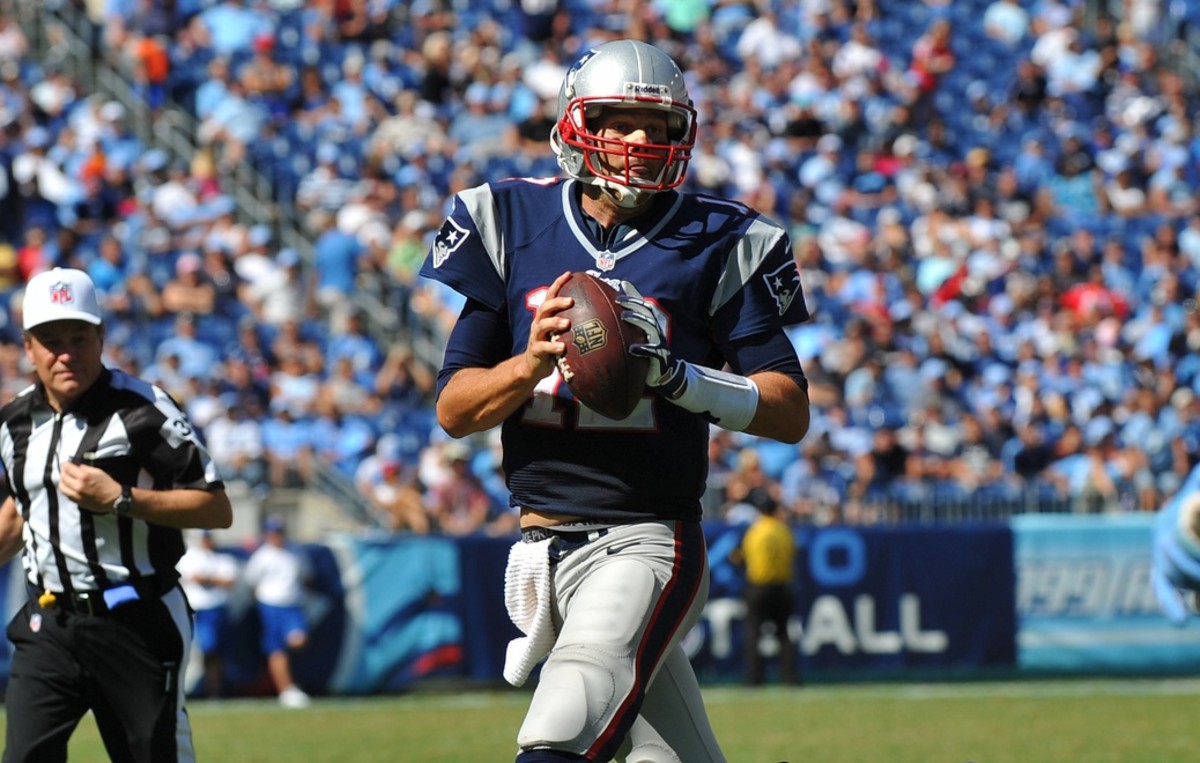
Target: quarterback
611, 570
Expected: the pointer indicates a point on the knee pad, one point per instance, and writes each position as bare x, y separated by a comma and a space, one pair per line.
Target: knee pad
650, 753
575, 690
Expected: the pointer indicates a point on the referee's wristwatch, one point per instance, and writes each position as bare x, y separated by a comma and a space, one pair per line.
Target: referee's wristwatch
124, 503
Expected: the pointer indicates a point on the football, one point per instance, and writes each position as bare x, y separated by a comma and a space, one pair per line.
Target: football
597, 365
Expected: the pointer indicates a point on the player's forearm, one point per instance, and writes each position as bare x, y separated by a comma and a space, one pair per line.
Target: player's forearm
477, 399
783, 412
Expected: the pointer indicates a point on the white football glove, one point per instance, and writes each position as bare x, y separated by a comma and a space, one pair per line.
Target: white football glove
666, 375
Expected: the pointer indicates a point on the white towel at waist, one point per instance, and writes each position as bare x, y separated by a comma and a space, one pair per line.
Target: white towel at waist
527, 596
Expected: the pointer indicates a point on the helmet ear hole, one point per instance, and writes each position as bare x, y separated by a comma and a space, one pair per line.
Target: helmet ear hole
677, 128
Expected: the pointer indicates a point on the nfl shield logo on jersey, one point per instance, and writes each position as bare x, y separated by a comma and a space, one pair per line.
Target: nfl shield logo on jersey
35, 622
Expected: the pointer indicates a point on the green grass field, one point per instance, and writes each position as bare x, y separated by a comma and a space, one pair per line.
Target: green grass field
1097, 721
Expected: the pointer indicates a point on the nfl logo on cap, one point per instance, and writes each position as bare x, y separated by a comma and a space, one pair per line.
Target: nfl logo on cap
62, 294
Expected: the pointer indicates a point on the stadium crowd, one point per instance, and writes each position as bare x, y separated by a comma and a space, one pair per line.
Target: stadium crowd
992, 205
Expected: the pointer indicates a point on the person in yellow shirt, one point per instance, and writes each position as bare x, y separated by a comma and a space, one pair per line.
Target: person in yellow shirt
768, 552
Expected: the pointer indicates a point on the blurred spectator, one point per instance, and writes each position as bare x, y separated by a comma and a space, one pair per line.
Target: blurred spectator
235, 440
478, 132
294, 386
397, 501
933, 58
766, 40
197, 356
1006, 21
408, 248
287, 443
406, 131
349, 339
207, 575
335, 265
279, 295
13, 43
234, 123
747, 483
231, 27
404, 379
248, 362
214, 89
340, 437
323, 188
42, 183
342, 389
190, 291
293, 342
266, 78
279, 575
150, 62
458, 503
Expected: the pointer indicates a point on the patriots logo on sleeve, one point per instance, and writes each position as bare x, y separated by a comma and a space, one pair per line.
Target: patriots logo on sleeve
783, 284
449, 239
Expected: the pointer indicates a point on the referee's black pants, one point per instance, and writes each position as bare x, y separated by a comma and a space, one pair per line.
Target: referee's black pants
124, 665
769, 603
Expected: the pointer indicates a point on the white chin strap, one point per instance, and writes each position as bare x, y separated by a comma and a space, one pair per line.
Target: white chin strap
622, 195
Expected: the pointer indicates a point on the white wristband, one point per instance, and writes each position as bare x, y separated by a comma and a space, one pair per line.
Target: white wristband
728, 400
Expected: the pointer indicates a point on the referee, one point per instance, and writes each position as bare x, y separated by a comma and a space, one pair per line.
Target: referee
103, 472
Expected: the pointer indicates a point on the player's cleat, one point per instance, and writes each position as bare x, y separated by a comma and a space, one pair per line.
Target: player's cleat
294, 698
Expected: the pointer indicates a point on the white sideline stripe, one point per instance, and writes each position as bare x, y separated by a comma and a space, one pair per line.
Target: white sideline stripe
1032, 689
810, 693
1125, 637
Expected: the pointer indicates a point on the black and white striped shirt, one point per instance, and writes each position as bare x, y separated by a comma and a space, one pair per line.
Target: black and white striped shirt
136, 433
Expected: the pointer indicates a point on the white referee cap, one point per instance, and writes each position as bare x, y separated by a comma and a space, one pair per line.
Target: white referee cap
62, 294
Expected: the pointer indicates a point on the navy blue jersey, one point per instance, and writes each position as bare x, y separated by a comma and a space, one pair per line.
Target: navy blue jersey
718, 272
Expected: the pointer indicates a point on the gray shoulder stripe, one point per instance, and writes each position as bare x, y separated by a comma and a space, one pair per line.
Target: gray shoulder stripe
481, 206
752, 248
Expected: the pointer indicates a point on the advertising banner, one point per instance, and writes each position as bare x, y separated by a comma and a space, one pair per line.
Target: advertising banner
875, 600
1050, 593
1085, 602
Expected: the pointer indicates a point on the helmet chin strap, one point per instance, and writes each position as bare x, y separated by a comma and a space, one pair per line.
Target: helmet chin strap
622, 195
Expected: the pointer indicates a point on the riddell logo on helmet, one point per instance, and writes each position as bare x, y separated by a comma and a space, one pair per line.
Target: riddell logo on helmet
644, 89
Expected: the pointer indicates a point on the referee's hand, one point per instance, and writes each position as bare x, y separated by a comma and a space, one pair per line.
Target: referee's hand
92, 488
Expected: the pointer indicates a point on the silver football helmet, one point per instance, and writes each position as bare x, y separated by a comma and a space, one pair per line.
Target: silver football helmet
624, 73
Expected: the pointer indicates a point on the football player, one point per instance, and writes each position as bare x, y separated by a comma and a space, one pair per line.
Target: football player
611, 571
1176, 552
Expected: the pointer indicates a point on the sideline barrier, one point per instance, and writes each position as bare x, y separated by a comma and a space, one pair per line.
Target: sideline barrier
1085, 602
1042, 594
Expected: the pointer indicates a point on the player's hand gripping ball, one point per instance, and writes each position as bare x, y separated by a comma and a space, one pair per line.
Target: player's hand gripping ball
597, 365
